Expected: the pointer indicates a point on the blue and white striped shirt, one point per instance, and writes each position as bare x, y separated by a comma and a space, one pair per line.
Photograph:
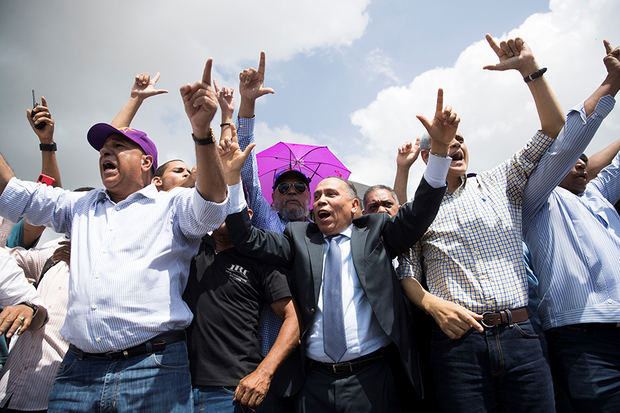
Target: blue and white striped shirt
574, 240
264, 217
129, 261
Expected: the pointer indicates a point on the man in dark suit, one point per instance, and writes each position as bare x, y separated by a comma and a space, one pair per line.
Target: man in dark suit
353, 312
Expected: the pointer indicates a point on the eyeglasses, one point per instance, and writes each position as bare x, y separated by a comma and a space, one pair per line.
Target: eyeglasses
283, 188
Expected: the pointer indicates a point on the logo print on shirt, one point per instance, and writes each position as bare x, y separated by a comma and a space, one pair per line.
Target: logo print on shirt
238, 273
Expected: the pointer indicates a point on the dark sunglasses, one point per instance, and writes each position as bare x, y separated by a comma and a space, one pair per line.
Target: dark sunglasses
283, 188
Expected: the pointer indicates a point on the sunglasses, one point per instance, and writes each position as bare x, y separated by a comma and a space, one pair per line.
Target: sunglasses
283, 188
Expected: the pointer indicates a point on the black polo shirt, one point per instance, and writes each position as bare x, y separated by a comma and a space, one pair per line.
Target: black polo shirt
225, 291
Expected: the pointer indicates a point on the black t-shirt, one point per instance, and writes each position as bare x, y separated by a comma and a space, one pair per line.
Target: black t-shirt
225, 291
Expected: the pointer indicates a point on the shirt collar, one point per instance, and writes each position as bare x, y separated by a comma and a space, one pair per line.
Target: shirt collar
149, 191
347, 232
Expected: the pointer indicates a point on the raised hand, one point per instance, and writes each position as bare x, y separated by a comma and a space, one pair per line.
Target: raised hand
408, 154
612, 59
233, 157
226, 100
144, 86
200, 101
63, 252
42, 115
251, 81
442, 128
512, 54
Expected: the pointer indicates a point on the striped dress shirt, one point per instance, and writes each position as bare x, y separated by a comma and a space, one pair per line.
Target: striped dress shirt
473, 253
574, 240
29, 372
264, 217
129, 260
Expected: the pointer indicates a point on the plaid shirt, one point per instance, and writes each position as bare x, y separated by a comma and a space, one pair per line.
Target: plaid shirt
472, 252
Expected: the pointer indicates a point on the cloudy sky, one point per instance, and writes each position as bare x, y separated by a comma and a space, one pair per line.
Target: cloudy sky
350, 74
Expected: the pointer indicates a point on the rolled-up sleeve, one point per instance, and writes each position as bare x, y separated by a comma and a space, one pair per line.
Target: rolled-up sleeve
197, 216
39, 203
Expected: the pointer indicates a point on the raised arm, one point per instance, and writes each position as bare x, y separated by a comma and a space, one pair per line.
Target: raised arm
6, 173
251, 88
601, 159
516, 54
611, 84
407, 155
200, 103
226, 100
49, 163
572, 141
142, 88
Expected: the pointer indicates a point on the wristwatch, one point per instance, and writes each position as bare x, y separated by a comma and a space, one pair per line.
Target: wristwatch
34, 307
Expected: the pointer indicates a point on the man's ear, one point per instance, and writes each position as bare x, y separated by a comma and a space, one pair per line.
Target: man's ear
158, 182
147, 162
424, 154
355, 206
250, 213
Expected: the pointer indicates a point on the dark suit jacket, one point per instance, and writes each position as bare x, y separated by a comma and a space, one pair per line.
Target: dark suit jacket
375, 240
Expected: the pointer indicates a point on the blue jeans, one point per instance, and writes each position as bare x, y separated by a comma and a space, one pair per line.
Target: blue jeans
500, 370
216, 399
585, 361
157, 382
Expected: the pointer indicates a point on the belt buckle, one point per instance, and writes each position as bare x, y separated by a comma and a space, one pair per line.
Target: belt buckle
482, 321
337, 366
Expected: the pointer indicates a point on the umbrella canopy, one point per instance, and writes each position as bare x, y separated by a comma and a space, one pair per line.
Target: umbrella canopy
316, 162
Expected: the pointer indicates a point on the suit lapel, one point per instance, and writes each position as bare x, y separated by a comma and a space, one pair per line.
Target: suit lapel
358, 240
316, 245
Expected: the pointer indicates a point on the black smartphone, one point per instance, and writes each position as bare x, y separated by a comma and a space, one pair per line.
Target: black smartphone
34, 105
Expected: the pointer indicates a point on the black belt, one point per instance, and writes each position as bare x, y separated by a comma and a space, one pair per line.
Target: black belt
351, 366
157, 343
504, 317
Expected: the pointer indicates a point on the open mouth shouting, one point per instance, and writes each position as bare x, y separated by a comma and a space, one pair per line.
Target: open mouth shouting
108, 167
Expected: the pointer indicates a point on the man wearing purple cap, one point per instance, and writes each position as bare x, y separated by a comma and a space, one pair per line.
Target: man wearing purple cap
131, 250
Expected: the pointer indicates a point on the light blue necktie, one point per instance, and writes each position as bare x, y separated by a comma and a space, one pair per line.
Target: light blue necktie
334, 339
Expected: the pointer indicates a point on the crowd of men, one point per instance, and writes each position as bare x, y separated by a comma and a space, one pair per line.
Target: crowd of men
179, 288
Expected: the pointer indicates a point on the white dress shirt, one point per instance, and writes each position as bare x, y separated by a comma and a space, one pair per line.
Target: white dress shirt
14, 288
129, 261
29, 372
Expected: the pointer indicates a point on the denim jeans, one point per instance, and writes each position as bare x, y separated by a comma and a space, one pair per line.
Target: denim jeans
500, 370
157, 382
585, 361
216, 399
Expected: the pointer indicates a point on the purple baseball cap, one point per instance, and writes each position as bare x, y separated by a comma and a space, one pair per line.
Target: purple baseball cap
98, 134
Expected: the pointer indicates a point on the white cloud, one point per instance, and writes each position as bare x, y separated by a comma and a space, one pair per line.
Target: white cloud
380, 64
82, 56
496, 109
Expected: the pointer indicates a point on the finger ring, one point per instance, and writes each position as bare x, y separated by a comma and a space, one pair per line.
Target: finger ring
21, 318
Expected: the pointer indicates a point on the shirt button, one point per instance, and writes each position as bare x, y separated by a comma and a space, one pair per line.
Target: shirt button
104, 252
312, 310
94, 307
97, 276
610, 301
98, 339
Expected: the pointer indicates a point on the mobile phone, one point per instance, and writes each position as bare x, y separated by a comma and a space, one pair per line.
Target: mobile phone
34, 105
44, 179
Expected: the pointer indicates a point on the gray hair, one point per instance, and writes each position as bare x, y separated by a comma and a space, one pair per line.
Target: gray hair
376, 187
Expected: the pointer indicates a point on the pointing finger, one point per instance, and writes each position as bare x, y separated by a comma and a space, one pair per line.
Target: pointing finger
492, 43
215, 86
439, 105
607, 45
206, 74
261, 63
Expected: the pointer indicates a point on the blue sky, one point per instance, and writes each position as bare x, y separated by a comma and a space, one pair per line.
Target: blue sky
350, 74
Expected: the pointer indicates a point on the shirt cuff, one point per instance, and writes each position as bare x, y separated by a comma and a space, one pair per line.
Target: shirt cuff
437, 170
236, 197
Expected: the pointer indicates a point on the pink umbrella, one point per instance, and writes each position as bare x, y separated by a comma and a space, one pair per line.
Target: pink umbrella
316, 162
